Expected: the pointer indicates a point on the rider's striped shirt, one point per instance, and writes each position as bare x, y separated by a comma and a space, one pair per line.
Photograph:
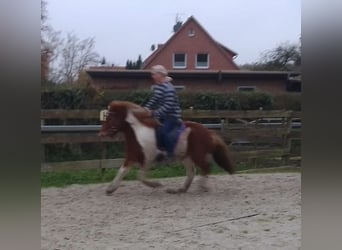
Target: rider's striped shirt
164, 101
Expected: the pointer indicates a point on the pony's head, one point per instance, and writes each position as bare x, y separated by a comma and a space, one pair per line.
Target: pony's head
116, 117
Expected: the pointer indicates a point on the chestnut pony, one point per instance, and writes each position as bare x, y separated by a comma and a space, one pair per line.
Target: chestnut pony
194, 147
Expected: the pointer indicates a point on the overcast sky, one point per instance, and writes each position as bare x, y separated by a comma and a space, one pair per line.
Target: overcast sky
125, 29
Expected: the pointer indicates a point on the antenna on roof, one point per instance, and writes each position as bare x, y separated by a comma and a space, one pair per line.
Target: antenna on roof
177, 18
178, 24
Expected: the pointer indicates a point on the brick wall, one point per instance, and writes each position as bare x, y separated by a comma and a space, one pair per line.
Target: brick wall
219, 58
193, 84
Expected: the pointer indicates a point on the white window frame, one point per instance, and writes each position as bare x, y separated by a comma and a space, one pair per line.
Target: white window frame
185, 61
191, 32
202, 67
250, 87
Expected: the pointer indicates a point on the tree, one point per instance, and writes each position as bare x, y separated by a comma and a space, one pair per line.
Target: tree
75, 56
128, 64
134, 64
64, 59
43, 16
284, 57
50, 38
50, 41
103, 61
139, 62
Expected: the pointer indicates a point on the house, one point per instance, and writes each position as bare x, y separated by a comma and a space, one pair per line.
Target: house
274, 82
196, 62
192, 48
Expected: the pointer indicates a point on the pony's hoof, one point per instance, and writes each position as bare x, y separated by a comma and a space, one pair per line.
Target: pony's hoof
175, 191
152, 184
110, 191
204, 189
171, 191
156, 184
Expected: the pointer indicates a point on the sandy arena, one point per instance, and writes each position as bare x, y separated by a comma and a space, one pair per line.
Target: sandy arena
137, 217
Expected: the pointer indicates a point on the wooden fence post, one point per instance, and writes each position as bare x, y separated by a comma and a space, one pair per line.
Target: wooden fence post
287, 140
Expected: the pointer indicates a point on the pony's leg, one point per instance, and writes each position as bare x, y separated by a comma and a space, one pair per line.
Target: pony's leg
116, 181
203, 183
144, 180
190, 174
204, 166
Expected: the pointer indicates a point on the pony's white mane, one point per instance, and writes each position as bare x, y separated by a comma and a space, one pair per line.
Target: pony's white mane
134, 112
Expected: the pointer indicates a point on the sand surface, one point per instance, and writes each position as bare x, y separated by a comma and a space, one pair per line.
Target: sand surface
137, 217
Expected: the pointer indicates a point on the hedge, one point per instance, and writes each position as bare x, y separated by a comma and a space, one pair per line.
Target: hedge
88, 98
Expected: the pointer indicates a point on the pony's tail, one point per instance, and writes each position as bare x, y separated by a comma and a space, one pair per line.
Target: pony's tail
221, 154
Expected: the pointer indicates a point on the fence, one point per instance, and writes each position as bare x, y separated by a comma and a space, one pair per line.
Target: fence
236, 128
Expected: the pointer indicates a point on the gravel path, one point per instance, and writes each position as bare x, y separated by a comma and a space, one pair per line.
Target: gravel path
137, 217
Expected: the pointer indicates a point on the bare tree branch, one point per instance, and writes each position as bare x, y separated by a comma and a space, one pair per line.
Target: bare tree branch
64, 58
75, 56
284, 57
50, 41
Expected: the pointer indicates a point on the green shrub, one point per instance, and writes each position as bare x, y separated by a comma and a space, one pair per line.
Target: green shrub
287, 101
89, 98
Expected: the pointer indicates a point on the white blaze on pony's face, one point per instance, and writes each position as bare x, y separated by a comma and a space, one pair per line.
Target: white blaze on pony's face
145, 135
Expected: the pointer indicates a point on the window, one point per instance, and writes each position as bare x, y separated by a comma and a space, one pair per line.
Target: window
202, 61
246, 88
179, 61
191, 32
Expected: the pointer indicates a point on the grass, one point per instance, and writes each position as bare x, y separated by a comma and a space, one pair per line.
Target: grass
62, 179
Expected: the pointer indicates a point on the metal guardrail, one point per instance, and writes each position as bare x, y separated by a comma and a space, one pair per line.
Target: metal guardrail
96, 128
69, 128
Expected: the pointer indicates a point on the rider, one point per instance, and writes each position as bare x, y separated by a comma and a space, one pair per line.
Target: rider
164, 106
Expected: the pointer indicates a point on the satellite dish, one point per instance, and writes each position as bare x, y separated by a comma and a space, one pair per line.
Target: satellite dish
177, 26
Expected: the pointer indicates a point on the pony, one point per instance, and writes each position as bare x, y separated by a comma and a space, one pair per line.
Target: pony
196, 146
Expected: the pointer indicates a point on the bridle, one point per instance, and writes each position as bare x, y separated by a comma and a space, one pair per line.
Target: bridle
103, 117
